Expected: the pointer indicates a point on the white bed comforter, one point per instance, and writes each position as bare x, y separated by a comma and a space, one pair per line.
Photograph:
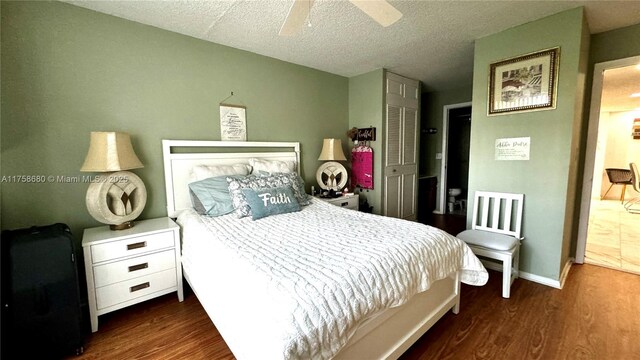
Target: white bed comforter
299, 285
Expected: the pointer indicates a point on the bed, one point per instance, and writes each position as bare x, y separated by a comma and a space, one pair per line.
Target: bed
323, 282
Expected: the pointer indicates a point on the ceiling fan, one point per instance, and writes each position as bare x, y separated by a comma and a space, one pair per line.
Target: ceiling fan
379, 10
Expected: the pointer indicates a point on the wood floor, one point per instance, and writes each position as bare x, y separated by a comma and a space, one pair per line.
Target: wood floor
451, 223
594, 317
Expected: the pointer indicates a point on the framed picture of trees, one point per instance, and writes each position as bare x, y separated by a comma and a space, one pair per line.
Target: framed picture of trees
524, 83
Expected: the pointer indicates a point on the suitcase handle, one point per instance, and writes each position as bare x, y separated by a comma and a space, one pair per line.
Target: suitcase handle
133, 268
139, 287
137, 245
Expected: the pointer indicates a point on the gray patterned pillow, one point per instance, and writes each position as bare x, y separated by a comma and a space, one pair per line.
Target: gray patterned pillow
263, 182
296, 183
250, 182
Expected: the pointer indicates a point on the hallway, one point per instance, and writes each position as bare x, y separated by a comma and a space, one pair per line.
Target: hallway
613, 239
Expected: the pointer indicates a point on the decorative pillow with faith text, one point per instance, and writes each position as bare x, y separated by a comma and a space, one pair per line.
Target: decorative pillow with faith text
270, 201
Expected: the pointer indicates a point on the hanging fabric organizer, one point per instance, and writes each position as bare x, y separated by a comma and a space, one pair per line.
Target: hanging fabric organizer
362, 167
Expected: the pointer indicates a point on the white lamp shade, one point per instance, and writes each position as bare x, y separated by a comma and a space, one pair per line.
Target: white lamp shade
110, 151
332, 150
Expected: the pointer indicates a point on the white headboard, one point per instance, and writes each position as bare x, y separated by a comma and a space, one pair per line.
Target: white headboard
178, 163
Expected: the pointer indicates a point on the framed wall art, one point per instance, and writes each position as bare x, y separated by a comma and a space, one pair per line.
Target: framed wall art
233, 122
524, 83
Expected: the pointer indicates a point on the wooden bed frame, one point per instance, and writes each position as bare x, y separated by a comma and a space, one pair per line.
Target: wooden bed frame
385, 336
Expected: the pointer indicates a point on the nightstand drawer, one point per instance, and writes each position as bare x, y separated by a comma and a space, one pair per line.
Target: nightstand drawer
133, 268
349, 203
131, 246
127, 290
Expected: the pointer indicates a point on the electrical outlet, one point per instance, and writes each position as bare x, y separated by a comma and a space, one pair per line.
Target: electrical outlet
438, 156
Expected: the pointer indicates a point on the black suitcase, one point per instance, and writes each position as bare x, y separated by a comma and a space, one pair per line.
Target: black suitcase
41, 312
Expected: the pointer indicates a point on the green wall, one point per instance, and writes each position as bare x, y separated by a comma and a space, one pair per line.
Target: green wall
578, 146
546, 179
67, 71
615, 44
366, 109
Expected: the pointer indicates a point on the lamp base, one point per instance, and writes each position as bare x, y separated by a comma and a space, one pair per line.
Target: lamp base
123, 226
332, 176
117, 198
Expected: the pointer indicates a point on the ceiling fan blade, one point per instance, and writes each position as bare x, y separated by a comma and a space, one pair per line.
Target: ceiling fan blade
297, 15
379, 10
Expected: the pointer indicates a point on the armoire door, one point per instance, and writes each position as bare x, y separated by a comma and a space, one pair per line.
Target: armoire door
401, 168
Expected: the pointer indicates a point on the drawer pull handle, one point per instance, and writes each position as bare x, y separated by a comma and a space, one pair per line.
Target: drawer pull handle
136, 245
133, 268
344, 203
139, 287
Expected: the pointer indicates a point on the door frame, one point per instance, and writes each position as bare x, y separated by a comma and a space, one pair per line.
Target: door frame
442, 191
590, 154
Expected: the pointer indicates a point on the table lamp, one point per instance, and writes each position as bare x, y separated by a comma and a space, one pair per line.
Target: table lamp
332, 175
117, 197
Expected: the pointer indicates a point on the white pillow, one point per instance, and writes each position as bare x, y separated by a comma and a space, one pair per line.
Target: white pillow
271, 166
201, 172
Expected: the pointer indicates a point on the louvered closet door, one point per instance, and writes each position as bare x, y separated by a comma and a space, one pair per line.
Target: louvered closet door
393, 176
400, 175
409, 163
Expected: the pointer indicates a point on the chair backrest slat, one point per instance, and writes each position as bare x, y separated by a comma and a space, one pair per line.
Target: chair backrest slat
518, 229
475, 211
485, 210
492, 208
495, 221
507, 211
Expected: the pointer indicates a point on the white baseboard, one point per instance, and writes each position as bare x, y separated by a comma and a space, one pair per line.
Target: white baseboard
558, 284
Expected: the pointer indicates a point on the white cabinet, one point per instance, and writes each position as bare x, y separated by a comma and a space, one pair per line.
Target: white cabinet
125, 267
346, 201
401, 130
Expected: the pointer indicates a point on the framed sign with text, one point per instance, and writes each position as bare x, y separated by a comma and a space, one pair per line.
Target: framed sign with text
233, 122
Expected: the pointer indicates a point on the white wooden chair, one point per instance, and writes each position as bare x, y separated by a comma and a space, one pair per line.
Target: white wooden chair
496, 232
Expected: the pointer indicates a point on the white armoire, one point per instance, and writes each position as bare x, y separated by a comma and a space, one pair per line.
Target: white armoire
401, 139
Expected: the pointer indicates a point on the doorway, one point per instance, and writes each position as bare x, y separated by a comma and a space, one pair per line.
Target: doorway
454, 172
607, 233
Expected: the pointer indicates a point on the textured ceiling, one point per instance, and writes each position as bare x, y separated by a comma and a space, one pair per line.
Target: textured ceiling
432, 42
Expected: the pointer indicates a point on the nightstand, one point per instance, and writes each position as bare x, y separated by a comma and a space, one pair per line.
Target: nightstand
346, 201
125, 267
